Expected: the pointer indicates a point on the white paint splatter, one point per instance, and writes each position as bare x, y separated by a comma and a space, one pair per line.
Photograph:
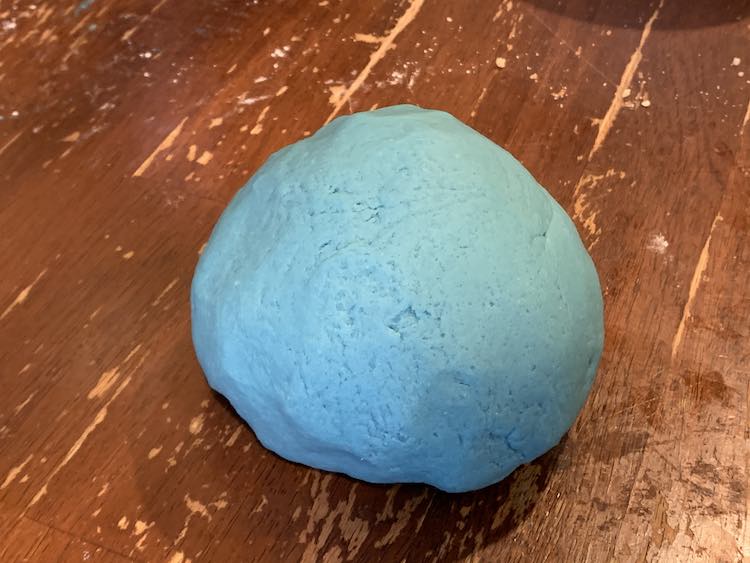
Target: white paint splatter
248, 101
657, 244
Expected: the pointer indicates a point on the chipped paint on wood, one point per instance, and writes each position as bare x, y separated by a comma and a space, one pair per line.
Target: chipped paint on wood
205, 158
15, 471
109, 377
101, 415
259, 123
196, 423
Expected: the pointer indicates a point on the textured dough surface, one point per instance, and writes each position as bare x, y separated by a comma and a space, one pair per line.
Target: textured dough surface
397, 299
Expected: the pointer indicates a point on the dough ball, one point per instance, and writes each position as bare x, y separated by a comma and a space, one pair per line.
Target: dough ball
397, 299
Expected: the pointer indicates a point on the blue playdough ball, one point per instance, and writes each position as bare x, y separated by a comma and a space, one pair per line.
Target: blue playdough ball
397, 299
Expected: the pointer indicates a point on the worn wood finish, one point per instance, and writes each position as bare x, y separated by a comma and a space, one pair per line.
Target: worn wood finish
128, 125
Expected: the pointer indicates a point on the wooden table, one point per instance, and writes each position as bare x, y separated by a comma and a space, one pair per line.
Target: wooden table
127, 126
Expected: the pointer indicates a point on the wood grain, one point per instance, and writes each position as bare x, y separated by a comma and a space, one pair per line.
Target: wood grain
127, 126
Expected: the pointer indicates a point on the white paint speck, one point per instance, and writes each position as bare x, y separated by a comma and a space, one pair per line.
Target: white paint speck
736, 61
657, 244
397, 77
248, 101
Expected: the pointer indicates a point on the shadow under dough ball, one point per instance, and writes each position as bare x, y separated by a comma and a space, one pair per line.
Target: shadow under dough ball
397, 299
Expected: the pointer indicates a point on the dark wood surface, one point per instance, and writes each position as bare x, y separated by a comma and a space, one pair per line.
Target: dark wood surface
127, 125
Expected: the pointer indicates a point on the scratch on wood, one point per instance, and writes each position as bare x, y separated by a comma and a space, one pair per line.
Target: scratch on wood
233, 438
606, 122
164, 291
23, 295
129, 33
83, 21
12, 140
695, 282
164, 145
478, 102
22, 405
661, 531
140, 545
15, 471
385, 44
261, 505
98, 419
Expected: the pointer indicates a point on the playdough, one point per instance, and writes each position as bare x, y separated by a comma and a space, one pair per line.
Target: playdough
397, 299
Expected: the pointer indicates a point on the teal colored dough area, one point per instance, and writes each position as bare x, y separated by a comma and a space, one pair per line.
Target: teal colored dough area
397, 299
